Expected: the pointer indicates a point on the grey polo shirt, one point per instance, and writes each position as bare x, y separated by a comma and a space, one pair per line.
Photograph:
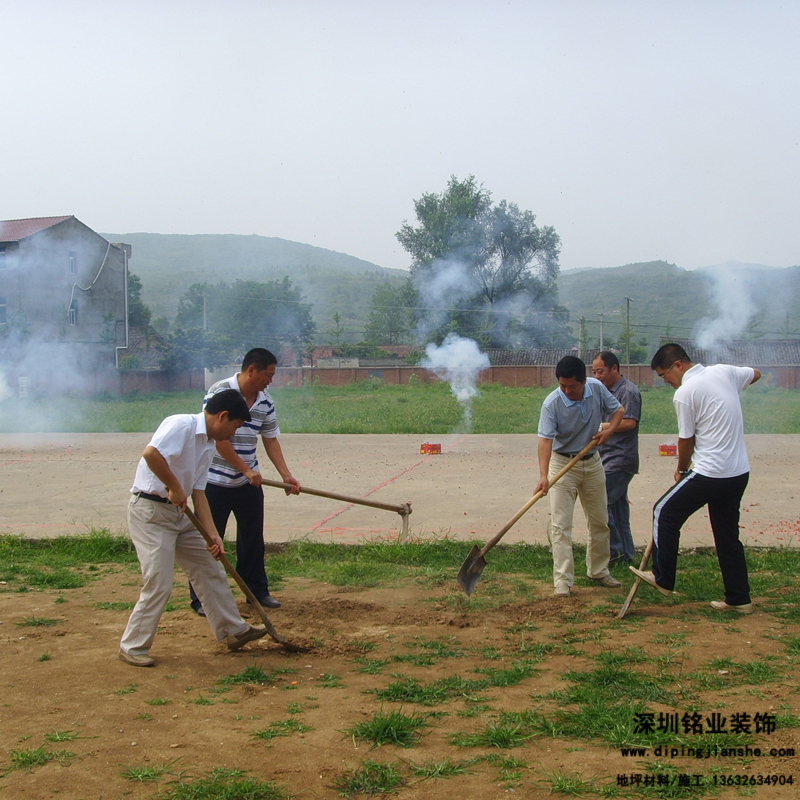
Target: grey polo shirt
621, 452
571, 424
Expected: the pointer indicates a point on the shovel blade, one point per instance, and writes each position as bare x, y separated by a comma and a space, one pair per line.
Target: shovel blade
471, 569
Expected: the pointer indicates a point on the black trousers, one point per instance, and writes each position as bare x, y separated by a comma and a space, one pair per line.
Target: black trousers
723, 496
246, 503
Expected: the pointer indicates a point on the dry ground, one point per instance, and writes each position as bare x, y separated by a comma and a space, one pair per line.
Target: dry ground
123, 717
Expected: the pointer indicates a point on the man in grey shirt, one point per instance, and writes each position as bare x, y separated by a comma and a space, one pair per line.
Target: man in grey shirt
620, 454
569, 420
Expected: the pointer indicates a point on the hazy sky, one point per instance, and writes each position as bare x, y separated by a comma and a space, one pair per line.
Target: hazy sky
639, 130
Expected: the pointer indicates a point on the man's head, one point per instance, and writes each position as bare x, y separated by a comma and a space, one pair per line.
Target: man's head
225, 412
571, 374
258, 370
606, 369
670, 363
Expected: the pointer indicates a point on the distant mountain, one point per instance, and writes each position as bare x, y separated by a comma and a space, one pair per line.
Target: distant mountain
666, 298
333, 282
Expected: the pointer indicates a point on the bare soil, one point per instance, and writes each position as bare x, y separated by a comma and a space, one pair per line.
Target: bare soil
127, 717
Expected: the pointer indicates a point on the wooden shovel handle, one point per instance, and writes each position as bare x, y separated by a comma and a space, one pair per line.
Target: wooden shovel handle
404, 510
538, 496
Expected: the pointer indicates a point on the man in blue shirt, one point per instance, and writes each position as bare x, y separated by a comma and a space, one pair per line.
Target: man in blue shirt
570, 419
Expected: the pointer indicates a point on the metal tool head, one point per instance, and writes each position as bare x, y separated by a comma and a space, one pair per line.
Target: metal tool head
471, 569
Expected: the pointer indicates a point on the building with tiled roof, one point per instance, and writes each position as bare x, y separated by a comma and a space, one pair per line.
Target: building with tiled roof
743, 352
63, 311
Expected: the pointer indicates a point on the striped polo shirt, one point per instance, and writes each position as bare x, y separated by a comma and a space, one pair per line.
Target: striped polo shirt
264, 422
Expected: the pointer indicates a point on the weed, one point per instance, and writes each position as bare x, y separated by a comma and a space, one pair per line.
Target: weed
158, 701
37, 757
330, 681
145, 774
38, 622
282, 728
508, 731
370, 666
60, 736
44, 657
430, 770
393, 728
371, 778
223, 784
129, 689
573, 784
252, 674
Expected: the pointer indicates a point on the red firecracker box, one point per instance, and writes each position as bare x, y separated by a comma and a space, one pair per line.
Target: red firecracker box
668, 450
428, 449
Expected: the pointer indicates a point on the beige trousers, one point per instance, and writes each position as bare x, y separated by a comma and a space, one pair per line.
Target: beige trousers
162, 535
586, 480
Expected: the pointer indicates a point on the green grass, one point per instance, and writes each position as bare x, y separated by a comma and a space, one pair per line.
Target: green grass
38, 622
393, 727
509, 730
281, 728
222, 784
373, 407
372, 778
37, 757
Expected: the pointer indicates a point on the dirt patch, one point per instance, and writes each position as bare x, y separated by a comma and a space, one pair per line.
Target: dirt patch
63, 681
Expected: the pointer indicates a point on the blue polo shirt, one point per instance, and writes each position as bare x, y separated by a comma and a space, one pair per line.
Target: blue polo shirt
571, 424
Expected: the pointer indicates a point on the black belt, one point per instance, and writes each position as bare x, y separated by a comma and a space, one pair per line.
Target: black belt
156, 498
572, 455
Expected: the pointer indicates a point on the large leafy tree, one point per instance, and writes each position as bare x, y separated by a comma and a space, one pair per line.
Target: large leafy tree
236, 317
391, 318
484, 271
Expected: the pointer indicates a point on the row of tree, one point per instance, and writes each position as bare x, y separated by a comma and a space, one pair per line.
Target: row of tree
482, 270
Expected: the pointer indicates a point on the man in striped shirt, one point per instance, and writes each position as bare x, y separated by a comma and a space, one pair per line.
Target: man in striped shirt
234, 482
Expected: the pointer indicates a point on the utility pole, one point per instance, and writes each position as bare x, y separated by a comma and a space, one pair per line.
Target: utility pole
628, 331
602, 343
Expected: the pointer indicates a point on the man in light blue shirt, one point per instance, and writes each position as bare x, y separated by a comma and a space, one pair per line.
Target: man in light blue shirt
570, 419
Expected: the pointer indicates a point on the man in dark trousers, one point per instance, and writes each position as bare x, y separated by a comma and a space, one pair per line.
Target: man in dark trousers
620, 454
713, 470
234, 482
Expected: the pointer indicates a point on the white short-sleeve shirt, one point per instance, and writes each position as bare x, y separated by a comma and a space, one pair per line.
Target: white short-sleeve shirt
708, 407
183, 441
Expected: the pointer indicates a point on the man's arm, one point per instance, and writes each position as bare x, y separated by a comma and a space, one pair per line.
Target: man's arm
545, 451
226, 450
161, 469
613, 424
685, 452
756, 376
626, 425
275, 454
201, 508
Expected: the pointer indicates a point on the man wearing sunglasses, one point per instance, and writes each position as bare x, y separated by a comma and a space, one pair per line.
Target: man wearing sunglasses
713, 470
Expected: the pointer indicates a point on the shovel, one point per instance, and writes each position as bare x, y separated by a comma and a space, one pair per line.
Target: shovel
276, 637
471, 569
635, 588
403, 510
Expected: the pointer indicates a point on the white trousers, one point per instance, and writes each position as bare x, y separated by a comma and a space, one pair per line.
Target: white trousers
162, 535
586, 480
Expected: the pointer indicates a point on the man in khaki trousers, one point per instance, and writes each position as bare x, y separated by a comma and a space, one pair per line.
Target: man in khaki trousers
570, 419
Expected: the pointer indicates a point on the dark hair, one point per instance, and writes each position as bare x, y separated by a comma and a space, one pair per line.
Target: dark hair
258, 357
231, 401
667, 355
609, 359
571, 367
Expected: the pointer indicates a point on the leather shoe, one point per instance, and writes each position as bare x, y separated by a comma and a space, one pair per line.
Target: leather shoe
721, 605
650, 580
608, 581
136, 661
198, 609
236, 641
268, 601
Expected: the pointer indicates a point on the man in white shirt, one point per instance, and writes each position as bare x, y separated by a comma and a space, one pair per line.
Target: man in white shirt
713, 470
174, 466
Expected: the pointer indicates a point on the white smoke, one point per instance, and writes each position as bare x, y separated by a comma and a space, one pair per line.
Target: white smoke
458, 361
734, 308
441, 288
5, 390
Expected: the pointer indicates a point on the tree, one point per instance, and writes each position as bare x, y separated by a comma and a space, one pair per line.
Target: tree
138, 313
392, 316
485, 271
243, 315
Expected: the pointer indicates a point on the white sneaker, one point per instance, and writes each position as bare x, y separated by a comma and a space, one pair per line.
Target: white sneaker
721, 605
562, 589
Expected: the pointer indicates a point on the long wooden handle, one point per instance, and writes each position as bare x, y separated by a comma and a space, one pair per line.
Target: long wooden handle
403, 510
635, 588
538, 496
237, 577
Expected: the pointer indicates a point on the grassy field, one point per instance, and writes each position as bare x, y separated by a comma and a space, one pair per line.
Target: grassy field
372, 407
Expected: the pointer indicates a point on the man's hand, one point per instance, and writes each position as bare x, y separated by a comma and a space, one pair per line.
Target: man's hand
542, 486
254, 476
216, 548
293, 481
177, 497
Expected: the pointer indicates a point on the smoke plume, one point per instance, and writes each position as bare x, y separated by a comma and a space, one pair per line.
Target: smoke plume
459, 362
734, 307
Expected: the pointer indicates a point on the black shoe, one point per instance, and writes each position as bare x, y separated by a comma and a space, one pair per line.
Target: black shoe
198, 609
268, 601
